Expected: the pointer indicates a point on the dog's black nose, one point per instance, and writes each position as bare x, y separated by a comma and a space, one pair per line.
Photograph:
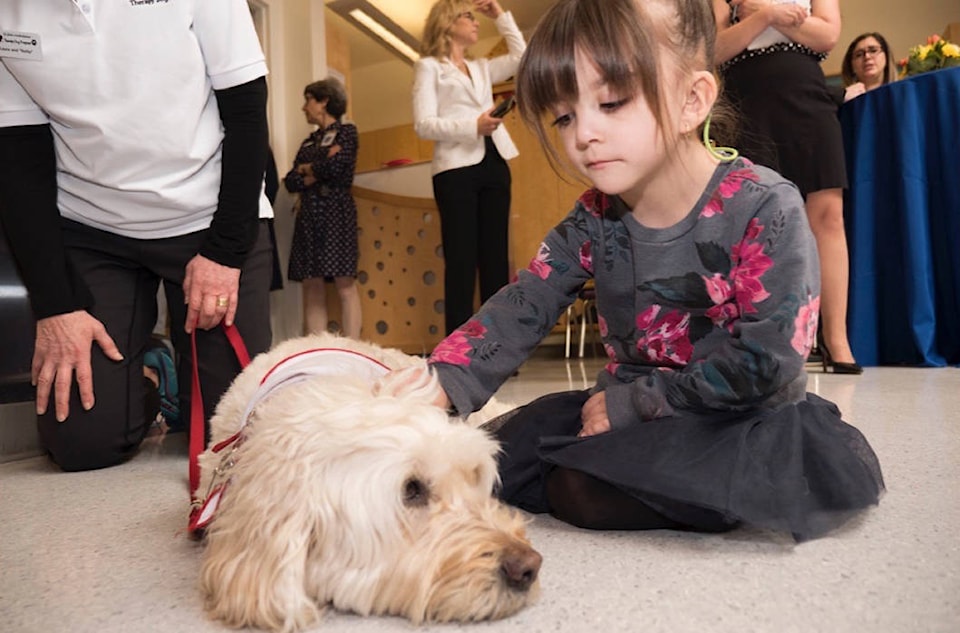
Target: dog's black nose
519, 565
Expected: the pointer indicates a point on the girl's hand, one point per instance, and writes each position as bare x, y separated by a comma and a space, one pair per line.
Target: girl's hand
489, 8
486, 124
594, 416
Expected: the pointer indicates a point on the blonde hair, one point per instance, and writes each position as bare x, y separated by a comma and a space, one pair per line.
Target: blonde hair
626, 40
436, 31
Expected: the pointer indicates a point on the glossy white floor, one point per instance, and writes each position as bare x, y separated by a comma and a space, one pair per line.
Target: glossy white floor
105, 551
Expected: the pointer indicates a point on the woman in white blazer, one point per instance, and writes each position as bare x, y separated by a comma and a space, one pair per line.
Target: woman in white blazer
452, 102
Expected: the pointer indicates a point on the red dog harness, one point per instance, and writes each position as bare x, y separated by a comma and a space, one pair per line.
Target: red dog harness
294, 369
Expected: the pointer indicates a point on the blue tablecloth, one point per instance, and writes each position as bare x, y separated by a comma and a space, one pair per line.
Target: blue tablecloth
902, 211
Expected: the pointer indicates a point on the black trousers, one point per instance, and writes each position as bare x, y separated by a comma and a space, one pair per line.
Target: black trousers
124, 275
474, 204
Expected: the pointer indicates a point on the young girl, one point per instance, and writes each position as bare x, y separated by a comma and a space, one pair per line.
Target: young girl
707, 291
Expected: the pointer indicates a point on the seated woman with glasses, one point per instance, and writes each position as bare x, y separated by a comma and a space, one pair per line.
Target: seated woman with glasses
868, 64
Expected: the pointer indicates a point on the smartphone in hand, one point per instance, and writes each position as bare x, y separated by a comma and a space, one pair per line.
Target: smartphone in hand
504, 107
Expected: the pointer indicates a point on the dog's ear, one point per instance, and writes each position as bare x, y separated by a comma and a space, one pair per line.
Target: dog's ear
255, 565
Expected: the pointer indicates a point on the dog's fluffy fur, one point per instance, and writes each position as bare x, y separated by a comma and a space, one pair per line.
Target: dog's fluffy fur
362, 496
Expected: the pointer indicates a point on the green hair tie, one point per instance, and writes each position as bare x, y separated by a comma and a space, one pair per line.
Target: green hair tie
723, 154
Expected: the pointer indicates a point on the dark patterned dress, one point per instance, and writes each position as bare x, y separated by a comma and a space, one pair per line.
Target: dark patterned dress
325, 232
707, 325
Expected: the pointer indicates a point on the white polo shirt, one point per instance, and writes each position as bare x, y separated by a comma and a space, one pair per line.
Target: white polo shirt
127, 87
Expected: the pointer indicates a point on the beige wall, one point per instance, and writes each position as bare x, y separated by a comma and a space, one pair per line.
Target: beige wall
381, 93
903, 24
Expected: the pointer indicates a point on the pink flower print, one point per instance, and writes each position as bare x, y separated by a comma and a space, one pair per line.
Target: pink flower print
724, 315
610, 352
595, 202
718, 288
805, 327
456, 348
473, 329
453, 350
667, 340
754, 228
727, 188
602, 325
540, 265
713, 207
586, 257
647, 318
752, 263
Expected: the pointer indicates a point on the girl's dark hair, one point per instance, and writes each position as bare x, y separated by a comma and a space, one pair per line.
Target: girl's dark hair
846, 69
626, 40
332, 91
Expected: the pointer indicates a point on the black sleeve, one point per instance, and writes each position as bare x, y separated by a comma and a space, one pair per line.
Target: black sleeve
31, 221
243, 111
271, 178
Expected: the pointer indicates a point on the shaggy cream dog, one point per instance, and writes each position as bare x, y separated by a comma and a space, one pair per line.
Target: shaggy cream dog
347, 487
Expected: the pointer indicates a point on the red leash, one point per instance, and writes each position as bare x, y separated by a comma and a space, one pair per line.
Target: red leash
197, 423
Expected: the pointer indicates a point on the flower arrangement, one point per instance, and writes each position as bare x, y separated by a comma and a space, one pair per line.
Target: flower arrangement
937, 53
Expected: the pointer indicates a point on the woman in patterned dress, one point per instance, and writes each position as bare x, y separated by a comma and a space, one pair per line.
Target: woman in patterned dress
325, 234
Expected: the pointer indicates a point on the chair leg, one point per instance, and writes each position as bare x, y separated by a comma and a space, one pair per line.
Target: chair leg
569, 327
584, 322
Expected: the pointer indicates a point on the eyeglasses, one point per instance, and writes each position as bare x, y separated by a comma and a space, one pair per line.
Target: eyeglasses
872, 51
467, 14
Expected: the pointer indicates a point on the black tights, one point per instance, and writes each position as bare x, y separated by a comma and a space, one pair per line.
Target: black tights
587, 502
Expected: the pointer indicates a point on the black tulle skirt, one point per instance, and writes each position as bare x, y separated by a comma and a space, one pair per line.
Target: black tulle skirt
797, 468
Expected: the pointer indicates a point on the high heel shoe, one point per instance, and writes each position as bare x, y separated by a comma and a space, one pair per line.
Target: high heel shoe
831, 366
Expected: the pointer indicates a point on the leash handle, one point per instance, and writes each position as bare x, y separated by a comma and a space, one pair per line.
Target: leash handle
197, 422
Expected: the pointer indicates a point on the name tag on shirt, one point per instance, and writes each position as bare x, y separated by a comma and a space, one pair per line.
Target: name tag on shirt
15, 45
328, 138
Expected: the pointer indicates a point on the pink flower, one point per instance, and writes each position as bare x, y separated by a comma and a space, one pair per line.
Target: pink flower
602, 325
752, 264
595, 202
540, 265
646, 318
456, 348
718, 288
666, 340
586, 257
453, 350
472, 329
724, 315
713, 207
727, 188
805, 327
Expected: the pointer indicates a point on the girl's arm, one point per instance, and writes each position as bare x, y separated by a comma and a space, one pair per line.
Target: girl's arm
763, 317
480, 355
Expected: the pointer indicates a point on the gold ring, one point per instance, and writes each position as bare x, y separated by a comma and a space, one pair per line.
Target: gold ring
222, 302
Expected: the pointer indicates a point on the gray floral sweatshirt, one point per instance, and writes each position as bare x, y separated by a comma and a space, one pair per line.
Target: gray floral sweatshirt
714, 314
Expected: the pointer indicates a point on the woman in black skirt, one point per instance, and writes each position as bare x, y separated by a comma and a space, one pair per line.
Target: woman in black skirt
769, 54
